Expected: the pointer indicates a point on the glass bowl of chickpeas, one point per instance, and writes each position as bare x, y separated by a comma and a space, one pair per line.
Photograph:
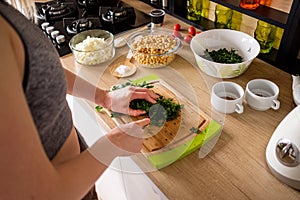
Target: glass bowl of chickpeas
153, 48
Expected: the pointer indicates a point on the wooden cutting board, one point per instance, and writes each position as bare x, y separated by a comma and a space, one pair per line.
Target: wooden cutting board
172, 132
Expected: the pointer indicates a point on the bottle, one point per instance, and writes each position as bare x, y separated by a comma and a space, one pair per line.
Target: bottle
164, 4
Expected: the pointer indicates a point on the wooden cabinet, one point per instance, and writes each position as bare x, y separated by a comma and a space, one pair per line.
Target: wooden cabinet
286, 57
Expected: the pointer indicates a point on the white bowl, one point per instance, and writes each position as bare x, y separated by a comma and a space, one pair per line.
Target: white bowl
215, 39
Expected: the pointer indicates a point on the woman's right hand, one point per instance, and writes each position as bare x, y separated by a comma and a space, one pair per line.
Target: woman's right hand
129, 137
124, 140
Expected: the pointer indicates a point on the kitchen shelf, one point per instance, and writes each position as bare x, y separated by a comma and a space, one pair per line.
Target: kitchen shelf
284, 58
265, 13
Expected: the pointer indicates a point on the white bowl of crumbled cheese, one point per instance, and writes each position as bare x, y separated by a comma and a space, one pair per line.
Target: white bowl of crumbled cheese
93, 47
154, 48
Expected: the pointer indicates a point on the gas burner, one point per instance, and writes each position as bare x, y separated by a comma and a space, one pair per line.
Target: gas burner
56, 10
79, 25
114, 15
60, 20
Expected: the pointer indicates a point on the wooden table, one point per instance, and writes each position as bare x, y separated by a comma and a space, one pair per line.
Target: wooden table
236, 167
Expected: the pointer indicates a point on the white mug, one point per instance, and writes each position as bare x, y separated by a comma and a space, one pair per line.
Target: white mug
227, 97
262, 94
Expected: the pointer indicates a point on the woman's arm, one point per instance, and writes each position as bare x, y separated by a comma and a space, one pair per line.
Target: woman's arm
117, 100
25, 170
81, 88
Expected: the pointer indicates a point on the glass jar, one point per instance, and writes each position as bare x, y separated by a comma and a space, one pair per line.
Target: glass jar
197, 9
249, 4
265, 34
236, 21
223, 16
194, 8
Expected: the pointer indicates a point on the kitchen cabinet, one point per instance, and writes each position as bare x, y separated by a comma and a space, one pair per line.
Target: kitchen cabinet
286, 57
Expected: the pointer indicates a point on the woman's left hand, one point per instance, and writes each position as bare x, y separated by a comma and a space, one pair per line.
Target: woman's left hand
118, 100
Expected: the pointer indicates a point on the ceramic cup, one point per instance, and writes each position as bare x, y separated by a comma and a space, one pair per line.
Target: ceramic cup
227, 97
262, 94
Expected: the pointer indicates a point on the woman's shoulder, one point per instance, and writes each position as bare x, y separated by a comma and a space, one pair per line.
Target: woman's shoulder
4, 30
12, 49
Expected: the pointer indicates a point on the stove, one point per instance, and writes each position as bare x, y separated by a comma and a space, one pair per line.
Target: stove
60, 20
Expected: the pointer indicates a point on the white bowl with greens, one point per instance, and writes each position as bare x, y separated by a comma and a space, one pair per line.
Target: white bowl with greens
224, 53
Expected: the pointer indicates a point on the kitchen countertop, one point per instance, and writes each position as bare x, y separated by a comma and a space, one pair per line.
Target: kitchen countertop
236, 167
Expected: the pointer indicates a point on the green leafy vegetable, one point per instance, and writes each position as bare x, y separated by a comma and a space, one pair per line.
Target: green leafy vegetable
98, 108
115, 114
195, 130
163, 110
223, 56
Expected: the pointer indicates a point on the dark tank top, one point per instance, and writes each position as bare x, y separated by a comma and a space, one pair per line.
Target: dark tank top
44, 82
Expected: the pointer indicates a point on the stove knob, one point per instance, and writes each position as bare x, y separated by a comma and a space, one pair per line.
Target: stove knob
60, 39
287, 153
45, 25
54, 34
49, 29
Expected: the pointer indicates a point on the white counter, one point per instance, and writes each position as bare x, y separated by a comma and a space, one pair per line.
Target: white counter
114, 184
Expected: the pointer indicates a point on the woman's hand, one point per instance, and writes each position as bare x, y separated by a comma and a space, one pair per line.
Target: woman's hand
129, 137
118, 100
124, 140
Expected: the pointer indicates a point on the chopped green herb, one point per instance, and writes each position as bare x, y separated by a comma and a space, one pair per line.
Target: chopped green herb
223, 56
99, 108
194, 130
115, 114
167, 110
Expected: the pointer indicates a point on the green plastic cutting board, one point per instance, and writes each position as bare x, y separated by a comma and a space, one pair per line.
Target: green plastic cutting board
166, 158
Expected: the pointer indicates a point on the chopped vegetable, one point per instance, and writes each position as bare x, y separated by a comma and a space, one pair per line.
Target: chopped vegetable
194, 130
99, 108
177, 34
164, 110
223, 56
188, 38
177, 27
192, 30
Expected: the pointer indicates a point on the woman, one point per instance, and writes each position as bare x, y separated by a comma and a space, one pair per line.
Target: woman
39, 151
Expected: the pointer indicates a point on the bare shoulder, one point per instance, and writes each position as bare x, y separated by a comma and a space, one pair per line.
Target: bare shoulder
19, 139
12, 50
4, 31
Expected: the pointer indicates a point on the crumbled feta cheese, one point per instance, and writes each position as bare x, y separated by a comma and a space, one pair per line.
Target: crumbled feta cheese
92, 51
